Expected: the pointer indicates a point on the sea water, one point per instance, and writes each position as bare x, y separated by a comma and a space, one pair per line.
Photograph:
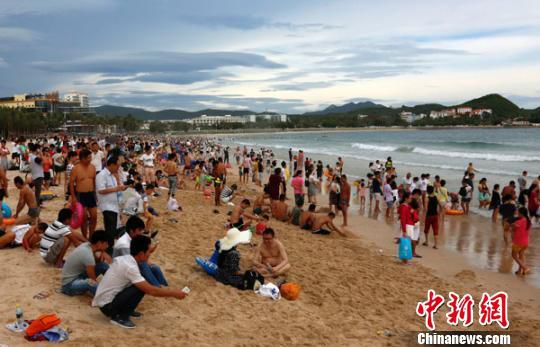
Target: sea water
499, 154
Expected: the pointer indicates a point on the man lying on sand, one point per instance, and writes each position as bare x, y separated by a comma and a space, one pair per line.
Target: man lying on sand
271, 258
325, 220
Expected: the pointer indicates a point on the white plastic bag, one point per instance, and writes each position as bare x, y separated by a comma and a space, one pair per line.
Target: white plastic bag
172, 204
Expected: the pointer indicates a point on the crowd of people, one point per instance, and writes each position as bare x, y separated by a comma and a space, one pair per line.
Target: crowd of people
115, 180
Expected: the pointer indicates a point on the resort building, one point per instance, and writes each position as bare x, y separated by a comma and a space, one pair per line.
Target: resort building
205, 120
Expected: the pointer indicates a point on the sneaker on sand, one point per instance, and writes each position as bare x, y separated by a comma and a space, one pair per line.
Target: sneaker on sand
126, 324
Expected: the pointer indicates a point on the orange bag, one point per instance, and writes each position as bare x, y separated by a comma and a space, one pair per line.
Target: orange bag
42, 323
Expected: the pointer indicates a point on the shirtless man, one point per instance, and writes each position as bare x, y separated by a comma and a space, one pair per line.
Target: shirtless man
220, 171
82, 185
171, 169
262, 204
26, 197
271, 258
280, 209
308, 217
238, 214
325, 220
345, 198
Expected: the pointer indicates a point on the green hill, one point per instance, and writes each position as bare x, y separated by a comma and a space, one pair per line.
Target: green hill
500, 105
140, 113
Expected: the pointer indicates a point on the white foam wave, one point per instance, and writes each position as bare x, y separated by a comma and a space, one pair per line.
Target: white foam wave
450, 154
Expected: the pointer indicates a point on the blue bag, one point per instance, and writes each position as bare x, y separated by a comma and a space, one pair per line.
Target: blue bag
405, 248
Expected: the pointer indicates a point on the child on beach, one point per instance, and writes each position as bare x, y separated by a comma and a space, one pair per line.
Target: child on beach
520, 239
361, 193
495, 203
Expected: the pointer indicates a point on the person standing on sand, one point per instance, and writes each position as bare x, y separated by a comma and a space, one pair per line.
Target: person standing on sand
36, 170
82, 185
4, 153
3, 185
274, 183
388, 197
522, 181
171, 169
123, 287
297, 183
108, 189
97, 157
432, 216
345, 198
520, 240
271, 258
495, 203
246, 167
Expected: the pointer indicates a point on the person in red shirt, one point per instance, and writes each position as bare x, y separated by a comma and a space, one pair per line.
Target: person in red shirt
520, 239
404, 211
47, 165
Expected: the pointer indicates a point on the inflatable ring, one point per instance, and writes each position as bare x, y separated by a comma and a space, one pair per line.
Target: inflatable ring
47, 195
77, 219
454, 212
9, 221
6, 210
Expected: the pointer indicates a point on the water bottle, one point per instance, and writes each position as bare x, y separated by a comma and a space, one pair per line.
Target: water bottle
19, 316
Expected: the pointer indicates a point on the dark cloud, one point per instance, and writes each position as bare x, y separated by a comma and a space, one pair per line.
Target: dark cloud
156, 100
158, 62
244, 22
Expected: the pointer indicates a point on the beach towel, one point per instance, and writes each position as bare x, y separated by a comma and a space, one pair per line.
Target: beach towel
54, 334
269, 290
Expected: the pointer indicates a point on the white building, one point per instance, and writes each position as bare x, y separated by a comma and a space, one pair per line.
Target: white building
205, 120
464, 110
283, 118
81, 98
409, 117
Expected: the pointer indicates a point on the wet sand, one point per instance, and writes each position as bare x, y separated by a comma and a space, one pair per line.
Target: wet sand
476, 240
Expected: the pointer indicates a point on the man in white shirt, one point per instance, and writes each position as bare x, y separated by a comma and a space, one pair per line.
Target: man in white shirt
151, 272
123, 287
97, 157
108, 190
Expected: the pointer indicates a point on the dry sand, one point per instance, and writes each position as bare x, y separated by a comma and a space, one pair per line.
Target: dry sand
351, 293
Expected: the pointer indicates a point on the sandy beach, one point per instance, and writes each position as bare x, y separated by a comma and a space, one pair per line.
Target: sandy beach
352, 293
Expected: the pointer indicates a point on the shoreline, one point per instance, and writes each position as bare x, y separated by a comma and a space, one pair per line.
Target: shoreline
255, 131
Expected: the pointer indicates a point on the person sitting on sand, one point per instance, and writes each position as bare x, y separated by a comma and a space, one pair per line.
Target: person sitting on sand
32, 235
229, 258
239, 213
262, 203
271, 258
151, 272
26, 198
85, 264
308, 217
295, 214
57, 239
227, 193
123, 287
280, 209
322, 221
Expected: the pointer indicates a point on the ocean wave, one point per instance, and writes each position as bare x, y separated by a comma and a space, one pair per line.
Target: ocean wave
444, 153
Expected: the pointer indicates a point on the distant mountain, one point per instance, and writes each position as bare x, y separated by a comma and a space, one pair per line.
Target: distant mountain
140, 113
498, 103
349, 107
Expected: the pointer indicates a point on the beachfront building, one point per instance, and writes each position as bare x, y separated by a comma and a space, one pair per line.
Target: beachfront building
464, 110
481, 111
47, 103
79, 98
282, 118
205, 120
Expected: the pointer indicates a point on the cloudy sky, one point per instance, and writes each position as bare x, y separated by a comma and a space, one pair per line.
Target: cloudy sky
289, 56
